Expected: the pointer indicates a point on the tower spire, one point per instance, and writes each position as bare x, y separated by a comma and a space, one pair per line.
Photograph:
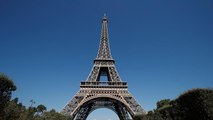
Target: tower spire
104, 48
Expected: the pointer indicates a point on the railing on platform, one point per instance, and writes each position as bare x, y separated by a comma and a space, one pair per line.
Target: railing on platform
104, 84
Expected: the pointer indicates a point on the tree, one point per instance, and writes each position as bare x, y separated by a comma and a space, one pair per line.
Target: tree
32, 102
138, 117
195, 104
41, 109
53, 115
163, 103
164, 109
6, 88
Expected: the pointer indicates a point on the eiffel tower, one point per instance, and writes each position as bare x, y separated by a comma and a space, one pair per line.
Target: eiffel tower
95, 93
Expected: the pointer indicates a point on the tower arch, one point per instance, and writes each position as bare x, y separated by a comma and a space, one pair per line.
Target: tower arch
90, 105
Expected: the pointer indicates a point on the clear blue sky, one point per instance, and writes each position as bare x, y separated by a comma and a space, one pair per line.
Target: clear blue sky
161, 47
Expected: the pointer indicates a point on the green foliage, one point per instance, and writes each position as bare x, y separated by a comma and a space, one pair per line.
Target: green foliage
164, 109
138, 117
13, 111
163, 103
53, 115
195, 104
16, 111
153, 116
6, 88
41, 108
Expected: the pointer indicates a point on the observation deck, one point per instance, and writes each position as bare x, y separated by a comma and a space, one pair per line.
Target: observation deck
104, 84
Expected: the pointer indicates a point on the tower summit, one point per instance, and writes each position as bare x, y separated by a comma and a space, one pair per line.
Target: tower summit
95, 93
104, 48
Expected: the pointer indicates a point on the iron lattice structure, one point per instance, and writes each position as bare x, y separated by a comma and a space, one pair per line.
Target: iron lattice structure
95, 93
